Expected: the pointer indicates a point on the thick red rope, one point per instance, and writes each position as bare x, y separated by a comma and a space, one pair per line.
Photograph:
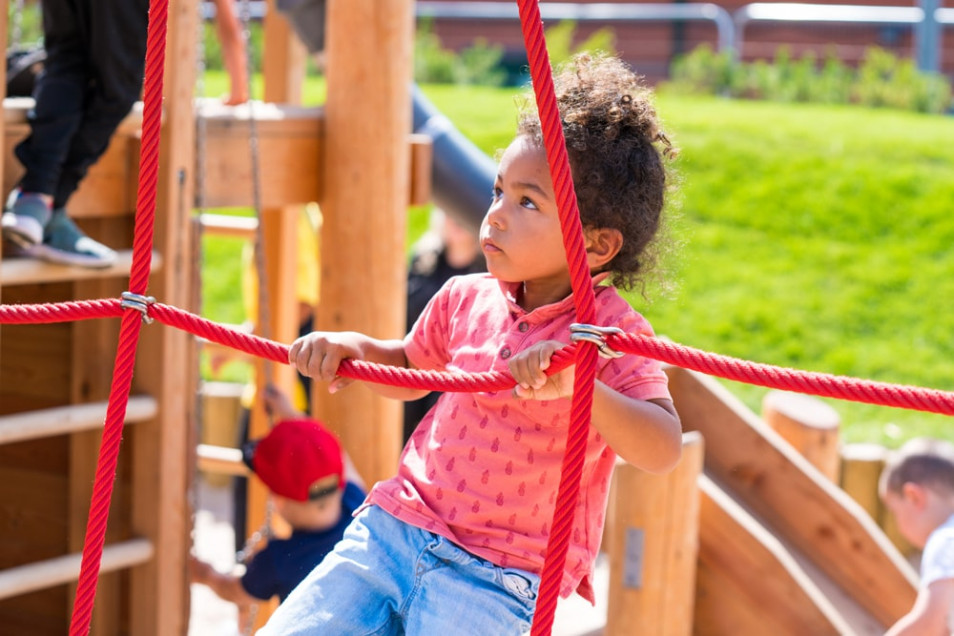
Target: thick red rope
131, 322
585, 373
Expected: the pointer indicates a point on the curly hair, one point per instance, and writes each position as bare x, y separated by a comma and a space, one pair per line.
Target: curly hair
617, 152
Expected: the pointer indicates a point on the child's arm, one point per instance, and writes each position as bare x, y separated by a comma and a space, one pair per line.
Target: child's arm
645, 433
226, 586
319, 354
928, 616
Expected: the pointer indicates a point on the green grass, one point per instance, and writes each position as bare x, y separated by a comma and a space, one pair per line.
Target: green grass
813, 237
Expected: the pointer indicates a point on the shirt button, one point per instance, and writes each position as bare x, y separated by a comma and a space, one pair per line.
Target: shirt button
505, 353
523, 327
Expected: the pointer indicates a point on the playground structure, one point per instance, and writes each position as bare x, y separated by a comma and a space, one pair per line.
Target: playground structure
356, 158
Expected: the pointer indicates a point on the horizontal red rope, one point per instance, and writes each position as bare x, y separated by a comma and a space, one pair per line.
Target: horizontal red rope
812, 382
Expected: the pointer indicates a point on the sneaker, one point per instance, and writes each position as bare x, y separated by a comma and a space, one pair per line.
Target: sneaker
24, 218
65, 244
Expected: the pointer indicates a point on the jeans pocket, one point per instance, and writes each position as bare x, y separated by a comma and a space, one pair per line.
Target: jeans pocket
519, 584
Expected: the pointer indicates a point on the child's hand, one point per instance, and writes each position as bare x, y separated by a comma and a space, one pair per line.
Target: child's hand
527, 368
319, 354
199, 571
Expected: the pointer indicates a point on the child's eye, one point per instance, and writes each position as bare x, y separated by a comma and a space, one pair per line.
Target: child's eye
495, 193
527, 203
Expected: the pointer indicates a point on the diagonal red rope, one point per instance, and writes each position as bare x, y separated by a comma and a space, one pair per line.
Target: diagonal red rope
131, 322
585, 373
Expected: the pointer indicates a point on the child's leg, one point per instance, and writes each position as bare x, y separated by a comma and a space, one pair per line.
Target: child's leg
459, 593
358, 588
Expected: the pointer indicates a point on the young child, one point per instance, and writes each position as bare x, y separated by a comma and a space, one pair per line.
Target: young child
917, 486
456, 541
303, 466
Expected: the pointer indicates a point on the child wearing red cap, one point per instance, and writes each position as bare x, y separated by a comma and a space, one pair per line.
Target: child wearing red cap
302, 464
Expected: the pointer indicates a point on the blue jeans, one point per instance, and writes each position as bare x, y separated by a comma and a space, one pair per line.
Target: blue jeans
388, 577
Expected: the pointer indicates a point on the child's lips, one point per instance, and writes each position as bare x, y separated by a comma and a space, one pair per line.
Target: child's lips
489, 247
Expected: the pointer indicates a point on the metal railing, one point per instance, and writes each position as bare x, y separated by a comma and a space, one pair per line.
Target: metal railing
927, 20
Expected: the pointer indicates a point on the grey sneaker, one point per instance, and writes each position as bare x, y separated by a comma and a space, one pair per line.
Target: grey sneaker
65, 244
24, 218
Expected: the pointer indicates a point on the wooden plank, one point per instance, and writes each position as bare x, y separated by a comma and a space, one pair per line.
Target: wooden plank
795, 501
51, 572
292, 157
653, 543
747, 582
29, 271
809, 425
365, 215
43, 423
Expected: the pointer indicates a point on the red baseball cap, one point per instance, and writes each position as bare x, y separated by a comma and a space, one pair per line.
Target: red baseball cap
295, 455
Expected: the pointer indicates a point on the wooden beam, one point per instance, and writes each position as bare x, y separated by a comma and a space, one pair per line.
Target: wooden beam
653, 542
42, 423
166, 364
65, 569
292, 156
795, 501
363, 261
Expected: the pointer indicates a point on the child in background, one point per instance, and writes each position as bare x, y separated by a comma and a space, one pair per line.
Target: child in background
455, 543
917, 486
304, 468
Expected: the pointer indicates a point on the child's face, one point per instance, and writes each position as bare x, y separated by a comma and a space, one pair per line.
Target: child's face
520, 235
910, 513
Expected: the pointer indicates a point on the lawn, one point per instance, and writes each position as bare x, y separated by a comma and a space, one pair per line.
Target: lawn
805, 236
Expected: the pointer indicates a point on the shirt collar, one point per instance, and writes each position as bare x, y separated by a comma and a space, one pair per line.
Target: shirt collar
540, 314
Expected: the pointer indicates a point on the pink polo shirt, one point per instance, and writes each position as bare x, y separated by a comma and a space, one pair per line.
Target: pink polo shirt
483, 469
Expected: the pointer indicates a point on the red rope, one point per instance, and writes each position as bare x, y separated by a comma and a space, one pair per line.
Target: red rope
585, 373
131, 322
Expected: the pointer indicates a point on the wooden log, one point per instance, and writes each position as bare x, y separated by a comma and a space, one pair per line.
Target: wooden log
808, 424
861, 466
653, 545
816, 517
748, 582
368, 117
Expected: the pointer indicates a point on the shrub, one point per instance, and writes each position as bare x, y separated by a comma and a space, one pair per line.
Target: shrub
882, 79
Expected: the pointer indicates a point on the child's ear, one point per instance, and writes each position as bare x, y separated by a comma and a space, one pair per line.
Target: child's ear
602, 245
914, 494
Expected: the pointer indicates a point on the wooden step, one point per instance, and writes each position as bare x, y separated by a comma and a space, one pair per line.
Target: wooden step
41, 423
65, 569
18, 270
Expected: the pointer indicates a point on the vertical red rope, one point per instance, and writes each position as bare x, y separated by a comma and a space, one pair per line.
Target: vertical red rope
573, 457
131, 323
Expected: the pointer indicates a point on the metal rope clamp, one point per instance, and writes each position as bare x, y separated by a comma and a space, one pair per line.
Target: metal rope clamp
138, 302
597, 336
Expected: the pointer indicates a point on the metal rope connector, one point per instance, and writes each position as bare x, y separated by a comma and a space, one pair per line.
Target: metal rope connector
138, 302
596, 335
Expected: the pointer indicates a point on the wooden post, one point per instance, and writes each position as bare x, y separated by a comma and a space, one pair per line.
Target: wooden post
808, 424
861, 466
653, 541
166, 363
363, 268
